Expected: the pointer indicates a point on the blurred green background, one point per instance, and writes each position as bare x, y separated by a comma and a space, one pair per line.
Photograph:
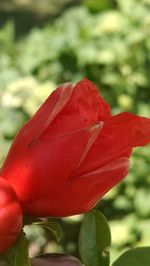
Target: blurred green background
45, 43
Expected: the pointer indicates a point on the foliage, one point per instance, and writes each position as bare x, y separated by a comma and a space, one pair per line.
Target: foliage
95, 240
110, 44
134, 257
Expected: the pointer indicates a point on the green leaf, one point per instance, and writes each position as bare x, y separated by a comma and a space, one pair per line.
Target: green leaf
17, 255
134, 257
94, 240
53, 227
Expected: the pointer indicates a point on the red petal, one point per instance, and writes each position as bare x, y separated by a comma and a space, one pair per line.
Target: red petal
66, 110
81, 194
95, 184
42, 170
96, 130
84, 108
118, 136
103, 107
10, 216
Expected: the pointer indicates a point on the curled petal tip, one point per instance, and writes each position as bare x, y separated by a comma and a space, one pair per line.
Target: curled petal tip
121, 162
64, 96
94, 130
97, 127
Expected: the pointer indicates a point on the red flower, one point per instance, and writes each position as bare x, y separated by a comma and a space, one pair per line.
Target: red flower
10, 216
72, 152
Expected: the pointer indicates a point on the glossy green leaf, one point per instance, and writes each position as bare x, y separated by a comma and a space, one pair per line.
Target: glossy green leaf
53, 227
134, 257
17, 255
94, 240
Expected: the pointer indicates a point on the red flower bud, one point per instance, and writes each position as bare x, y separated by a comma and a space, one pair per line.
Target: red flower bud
72, 152
10, 216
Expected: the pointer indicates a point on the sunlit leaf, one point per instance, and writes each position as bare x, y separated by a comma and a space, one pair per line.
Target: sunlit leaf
134, 257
